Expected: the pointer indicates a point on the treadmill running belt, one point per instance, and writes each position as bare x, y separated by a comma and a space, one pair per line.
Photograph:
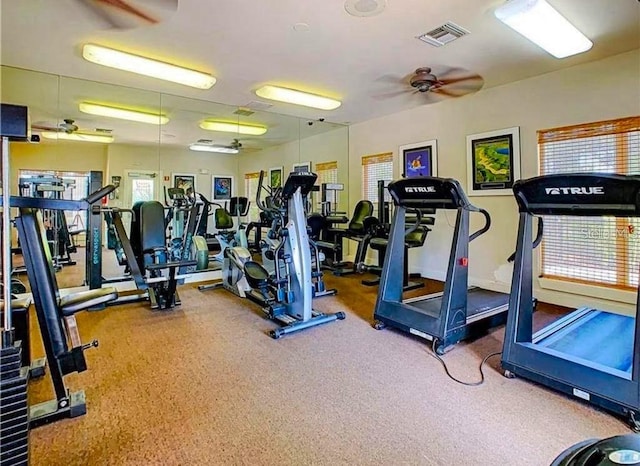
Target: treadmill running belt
600, 337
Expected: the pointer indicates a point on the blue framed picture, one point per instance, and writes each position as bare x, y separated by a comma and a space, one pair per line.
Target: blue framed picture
418, 159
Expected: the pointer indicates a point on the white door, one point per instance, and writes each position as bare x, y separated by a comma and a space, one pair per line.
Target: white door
140, 185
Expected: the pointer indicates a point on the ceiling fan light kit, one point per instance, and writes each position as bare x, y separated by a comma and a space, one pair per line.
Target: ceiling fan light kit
123, 113
204, 147
146, 66
105, 139
230, 127
544, 26
296, 97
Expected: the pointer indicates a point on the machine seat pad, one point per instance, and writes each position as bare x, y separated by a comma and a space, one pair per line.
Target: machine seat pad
347, 233
327, 245
413, 244
337, 219
378, 243
20, 304
75, 302
256, 274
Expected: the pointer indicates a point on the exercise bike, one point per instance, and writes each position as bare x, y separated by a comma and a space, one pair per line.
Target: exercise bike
286, 295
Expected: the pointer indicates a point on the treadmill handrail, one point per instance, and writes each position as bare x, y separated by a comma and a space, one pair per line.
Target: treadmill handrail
536, 241
487, 222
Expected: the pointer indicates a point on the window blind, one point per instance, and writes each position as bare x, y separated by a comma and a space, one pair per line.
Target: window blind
250, 190
602, 251
327, 172
374, 168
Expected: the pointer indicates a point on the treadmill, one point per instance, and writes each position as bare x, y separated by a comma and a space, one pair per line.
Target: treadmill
459, 312
590, 354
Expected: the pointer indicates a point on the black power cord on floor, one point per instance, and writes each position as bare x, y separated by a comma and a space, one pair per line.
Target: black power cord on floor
446, 369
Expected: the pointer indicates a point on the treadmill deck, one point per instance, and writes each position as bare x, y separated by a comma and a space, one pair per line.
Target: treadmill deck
597, 336
481, 303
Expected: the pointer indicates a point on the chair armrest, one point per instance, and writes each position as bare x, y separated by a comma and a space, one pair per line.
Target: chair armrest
76, 302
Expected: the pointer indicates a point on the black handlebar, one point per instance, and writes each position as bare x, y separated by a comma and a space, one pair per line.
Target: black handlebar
99, 194
536, 241
259, 202
487, 222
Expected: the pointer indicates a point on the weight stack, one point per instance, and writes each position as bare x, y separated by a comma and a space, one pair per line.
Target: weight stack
14, 411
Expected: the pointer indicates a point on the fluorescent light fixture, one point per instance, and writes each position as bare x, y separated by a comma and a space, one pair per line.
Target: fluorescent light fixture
543, 25
146, 66
291, 96
201, 147
123, 113
104, 138
229, 127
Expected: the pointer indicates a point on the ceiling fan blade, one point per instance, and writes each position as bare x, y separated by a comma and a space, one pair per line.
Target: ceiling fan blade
444, 91
45, 128
390, 79
472, 80
457, 87
127, 14
390, 95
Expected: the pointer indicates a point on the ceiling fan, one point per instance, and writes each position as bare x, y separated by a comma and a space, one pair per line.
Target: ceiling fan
431, 86
128, 14
69, 130
208, 145
69, 126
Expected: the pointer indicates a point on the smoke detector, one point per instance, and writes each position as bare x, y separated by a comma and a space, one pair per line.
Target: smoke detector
365, 7
444, 34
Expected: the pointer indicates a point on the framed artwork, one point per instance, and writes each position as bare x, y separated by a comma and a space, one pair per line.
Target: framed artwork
221, 187
302, 167
186, 181
493, 162
275, 177
418, 159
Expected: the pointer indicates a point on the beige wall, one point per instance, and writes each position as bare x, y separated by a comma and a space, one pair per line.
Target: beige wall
79, 157
595, 91
325, 147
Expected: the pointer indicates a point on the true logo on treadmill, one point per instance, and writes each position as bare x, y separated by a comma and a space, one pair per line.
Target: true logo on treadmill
588, 190
420, 189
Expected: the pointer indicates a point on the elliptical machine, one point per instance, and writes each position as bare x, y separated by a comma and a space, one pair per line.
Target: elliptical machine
286, 295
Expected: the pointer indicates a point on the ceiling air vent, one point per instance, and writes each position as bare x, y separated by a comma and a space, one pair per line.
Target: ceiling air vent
244, 111
444, 34
257, 105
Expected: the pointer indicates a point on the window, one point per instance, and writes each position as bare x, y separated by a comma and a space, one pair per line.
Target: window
602, 251
327, 172
76, 187
250, 191
374, 168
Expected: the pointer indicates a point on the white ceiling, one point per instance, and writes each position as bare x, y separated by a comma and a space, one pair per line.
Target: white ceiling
247, 43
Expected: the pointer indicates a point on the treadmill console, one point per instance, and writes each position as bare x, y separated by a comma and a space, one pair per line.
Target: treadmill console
585, 194
428, 192
302, 180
